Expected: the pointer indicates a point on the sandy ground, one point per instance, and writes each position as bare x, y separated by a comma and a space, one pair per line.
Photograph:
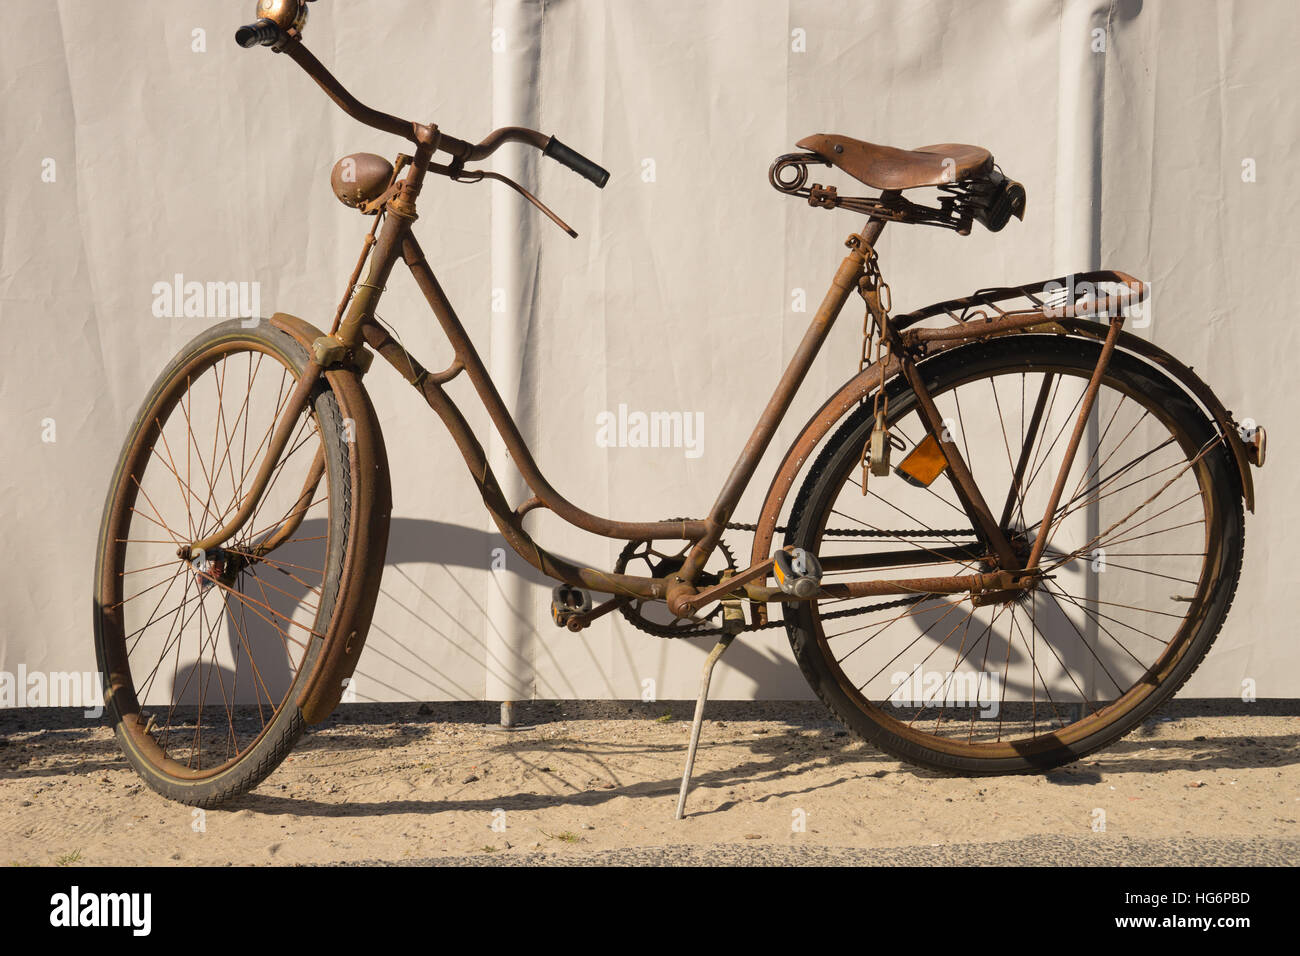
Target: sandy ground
1206, 783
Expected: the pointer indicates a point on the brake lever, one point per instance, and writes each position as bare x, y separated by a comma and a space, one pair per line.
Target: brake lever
461, 175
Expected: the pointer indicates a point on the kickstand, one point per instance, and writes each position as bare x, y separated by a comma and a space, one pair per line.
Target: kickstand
723, 642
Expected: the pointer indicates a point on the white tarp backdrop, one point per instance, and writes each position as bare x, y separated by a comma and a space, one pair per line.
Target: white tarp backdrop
140, 144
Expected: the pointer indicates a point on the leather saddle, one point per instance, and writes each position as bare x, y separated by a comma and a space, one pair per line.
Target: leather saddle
890, 169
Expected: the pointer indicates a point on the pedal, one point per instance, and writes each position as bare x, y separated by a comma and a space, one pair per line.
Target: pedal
923, 464
568, 601
798, 572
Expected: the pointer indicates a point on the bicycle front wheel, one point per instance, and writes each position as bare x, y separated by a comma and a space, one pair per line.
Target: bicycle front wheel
1140, 566
203, 659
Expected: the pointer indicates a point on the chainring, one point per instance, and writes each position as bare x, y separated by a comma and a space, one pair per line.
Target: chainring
661, 564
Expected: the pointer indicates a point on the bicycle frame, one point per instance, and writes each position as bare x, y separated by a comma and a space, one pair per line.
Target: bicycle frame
347, 336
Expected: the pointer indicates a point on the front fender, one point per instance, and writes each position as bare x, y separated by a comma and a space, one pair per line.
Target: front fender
370, 509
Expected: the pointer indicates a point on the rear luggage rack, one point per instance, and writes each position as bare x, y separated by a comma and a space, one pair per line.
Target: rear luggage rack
1089, 295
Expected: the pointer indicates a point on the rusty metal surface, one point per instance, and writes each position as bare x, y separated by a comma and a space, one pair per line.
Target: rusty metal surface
959, 310
998, 570
948, 584
359, 178
507, 521
1080, 423
377, 119
801, 449
371, 508
845, 281
520, 454
963, 482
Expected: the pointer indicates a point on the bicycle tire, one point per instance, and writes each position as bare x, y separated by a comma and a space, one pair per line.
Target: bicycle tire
870, 721
269, 744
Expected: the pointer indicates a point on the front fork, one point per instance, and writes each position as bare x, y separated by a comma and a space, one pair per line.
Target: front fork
297, 403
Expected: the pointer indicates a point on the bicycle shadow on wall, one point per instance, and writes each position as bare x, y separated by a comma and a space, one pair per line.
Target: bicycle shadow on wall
415, 541
260, 611
261, 607
990, 668
447, 546
418, 541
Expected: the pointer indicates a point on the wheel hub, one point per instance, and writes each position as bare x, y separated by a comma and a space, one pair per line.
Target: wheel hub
1022, 545
218, 567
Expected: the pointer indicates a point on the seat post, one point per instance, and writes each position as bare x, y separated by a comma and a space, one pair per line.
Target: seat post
874, 227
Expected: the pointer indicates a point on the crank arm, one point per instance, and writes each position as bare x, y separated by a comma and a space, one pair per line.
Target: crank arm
734, 585
578, 621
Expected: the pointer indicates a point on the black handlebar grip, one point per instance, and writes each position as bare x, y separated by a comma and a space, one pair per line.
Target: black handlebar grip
262, 33
577, 162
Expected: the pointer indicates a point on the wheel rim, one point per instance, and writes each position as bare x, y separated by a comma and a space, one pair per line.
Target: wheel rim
201, 656
1076, 653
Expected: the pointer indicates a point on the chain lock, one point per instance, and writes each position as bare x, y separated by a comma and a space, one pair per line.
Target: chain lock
875, 337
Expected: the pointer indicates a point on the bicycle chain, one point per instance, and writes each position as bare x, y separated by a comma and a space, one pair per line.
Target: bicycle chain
658, 630
901, 533
669, 631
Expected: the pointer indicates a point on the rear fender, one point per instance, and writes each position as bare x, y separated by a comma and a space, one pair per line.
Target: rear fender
868, 380
1190, 381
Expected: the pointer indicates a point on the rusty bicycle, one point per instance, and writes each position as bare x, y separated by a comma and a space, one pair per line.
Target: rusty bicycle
1018, 531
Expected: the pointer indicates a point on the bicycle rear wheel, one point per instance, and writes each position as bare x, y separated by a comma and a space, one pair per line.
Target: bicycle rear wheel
203, 659
1142, 562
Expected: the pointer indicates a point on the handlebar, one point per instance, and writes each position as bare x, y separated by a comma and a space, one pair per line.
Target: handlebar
267, 33
549, 145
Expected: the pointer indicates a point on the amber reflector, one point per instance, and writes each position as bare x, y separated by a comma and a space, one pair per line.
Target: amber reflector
923, 464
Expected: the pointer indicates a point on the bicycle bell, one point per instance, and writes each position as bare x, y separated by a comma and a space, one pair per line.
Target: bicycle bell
284, 13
